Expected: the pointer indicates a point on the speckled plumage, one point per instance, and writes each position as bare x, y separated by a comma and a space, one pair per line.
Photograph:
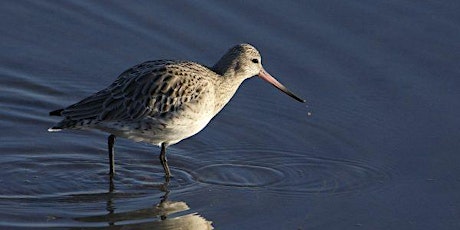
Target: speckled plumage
150, 102
165, 101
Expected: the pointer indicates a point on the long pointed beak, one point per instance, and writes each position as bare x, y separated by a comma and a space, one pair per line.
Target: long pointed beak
267, 77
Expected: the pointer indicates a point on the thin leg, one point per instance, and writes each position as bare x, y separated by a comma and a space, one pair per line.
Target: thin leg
164, 198
111, 142
164, 161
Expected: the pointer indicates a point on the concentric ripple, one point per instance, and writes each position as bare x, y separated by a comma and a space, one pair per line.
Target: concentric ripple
316, 175
238, 175
291, 172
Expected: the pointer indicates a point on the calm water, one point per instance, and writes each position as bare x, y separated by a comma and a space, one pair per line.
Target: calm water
377, 146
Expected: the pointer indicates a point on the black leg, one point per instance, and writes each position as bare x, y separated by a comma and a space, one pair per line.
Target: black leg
111, 142
164, 162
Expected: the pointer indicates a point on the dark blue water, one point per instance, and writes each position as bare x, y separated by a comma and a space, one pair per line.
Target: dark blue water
376, 147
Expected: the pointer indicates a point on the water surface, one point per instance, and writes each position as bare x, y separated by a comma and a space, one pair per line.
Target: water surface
376, 146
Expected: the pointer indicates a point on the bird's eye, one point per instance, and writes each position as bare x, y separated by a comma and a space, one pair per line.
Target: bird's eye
255, 60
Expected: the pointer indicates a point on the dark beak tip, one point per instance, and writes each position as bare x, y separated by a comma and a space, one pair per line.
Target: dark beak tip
301, 100
295, 97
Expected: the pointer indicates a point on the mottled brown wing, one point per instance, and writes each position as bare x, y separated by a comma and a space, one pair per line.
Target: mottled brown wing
148, 89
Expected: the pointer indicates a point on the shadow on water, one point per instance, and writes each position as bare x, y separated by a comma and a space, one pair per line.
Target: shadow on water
101, 210
166, 214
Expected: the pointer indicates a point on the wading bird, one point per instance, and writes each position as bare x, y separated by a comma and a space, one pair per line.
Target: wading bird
165, 101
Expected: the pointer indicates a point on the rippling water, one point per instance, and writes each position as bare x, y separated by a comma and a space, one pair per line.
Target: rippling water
376, 147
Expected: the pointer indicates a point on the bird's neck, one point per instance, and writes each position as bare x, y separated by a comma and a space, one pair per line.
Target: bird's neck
225, 90
230, 78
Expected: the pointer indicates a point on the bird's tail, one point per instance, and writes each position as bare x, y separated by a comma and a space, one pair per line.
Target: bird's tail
54, 129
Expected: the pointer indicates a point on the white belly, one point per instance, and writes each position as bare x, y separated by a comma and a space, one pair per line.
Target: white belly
169, 130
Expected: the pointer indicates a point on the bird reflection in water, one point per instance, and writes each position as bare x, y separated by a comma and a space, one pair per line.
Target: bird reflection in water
164, 215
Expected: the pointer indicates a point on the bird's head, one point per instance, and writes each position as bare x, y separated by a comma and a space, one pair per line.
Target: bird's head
244, 61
